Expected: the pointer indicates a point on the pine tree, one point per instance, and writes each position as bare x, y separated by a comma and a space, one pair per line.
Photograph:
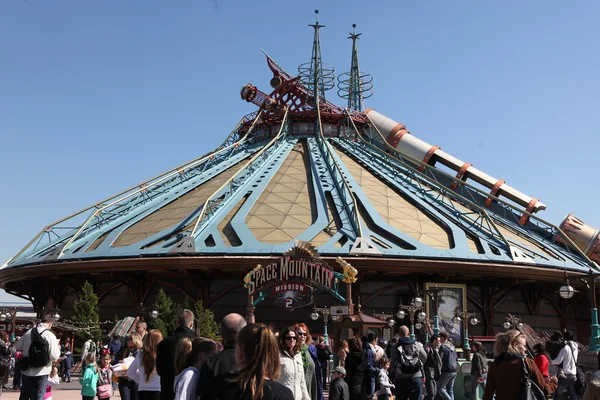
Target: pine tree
207, 326
166, 322
85, 314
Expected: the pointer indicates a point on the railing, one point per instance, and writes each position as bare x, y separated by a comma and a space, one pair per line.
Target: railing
229, 188
467, 193
122, 203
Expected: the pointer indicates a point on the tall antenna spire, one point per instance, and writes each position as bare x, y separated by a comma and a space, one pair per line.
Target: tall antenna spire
315, 73
355, 86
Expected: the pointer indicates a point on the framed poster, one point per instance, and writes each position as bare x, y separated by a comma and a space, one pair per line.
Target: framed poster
451, 298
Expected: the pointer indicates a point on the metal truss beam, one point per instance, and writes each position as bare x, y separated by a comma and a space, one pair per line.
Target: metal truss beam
93, 218
229, 189
434, 183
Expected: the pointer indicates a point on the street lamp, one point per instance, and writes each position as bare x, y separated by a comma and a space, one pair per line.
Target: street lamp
465, 317
514, 322
595, 328
386, 317
326, 313
567, 291
433, 293
152, 314
416, 305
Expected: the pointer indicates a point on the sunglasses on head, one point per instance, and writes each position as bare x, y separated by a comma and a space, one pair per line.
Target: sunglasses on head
290, 338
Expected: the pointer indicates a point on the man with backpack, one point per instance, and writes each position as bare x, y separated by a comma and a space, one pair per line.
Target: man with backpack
88, 347
568, 357
408, 367
40, 350
449, 357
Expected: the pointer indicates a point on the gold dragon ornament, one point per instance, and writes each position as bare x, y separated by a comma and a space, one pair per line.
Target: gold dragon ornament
349, 271
249, 275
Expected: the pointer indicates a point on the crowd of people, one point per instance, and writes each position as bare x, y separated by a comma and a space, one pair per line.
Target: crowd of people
255, 362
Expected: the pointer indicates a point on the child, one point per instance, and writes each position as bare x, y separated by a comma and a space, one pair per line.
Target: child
53, 380
338, 387
105, 387
89, 381
190, 355
385, 385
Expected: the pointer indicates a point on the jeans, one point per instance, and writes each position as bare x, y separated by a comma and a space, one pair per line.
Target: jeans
430, 389
474, 386
568, 384
128, 389
445, 386
67, 375
144, 395
34, 387
87, 397
17, 379
408, 388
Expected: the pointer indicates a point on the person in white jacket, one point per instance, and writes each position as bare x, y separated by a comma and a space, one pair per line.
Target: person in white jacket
35, 379
292, 368
385, 385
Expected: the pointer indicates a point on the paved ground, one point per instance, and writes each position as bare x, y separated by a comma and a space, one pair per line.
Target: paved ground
65, 391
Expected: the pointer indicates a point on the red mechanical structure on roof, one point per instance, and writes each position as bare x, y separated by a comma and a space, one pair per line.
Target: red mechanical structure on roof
289, 92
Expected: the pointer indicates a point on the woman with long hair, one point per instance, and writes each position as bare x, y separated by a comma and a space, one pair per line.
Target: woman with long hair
292, 370
312, 366
257, 358
356, 365
506, 371
343, 352
143, 368
542, 359
190, 355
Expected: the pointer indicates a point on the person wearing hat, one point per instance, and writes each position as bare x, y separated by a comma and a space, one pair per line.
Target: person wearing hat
338, 388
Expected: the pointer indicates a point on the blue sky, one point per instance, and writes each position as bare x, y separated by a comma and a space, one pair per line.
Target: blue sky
99, 95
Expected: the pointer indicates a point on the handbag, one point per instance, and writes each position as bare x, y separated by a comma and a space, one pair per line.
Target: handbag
105, 391
529, 389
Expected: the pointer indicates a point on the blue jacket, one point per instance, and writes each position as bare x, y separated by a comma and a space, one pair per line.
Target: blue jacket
318, 370
89, 381
372, 363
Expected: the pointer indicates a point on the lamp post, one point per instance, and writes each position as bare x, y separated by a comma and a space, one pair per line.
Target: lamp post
514, 322
152, 314
567, 291
594, 328
326, 313
466, 318
433, 292
386, 317
416, 305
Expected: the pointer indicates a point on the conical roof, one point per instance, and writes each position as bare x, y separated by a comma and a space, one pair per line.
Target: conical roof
351, 183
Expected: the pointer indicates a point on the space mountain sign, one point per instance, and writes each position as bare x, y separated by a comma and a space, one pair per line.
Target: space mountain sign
287, 269
293, 277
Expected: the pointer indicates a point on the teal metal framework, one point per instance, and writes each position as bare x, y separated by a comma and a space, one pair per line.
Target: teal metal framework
260, 143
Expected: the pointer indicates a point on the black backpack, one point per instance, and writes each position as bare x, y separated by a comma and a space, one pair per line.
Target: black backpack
39, 349
408, 361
